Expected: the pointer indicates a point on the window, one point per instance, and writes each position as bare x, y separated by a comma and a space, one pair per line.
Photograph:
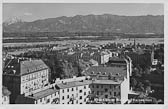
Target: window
80, 103
63, 91
67, 90
84, 93
62, 97
106, 90
55, 93
114, 93
92, 86
41, 100
72, 89
80, 97
119, 93
76, 101
85, 100
102, 93
67, 96
35, 102
84, 87
80, 91
76, 88
48, 100
106, 96
101, 86
97, 86
97, 92
92, 92
110, 93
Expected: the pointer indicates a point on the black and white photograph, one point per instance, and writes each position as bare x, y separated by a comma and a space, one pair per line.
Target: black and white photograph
83, 53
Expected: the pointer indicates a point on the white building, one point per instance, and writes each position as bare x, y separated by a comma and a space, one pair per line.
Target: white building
25, 77
75, 92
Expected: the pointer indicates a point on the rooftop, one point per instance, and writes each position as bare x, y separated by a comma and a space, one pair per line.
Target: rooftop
107, 82
23, 66
42, 94
106, 71
73, 84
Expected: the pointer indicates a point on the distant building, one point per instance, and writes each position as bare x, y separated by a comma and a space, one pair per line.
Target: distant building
140, 58
5, 95
25, 76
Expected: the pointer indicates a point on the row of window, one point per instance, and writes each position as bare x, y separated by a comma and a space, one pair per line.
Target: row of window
34, 76
72, 89
101, 93
101, 86
68, 96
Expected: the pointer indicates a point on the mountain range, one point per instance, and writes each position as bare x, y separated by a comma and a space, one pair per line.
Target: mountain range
91, 23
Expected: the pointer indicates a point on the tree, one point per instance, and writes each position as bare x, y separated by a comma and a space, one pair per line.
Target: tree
133, 82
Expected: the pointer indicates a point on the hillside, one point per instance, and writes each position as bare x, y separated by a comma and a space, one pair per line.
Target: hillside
91, 23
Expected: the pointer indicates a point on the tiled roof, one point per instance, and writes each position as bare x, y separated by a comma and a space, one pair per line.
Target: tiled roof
23, 66
42, 94
106, 71
106, 82
30, 66
73, 84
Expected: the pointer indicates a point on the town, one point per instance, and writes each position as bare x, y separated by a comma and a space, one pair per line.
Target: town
84, 72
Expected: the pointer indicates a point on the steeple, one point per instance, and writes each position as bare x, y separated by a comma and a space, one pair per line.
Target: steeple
134, 44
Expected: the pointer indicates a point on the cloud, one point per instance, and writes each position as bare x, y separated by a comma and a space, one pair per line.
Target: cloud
28, 14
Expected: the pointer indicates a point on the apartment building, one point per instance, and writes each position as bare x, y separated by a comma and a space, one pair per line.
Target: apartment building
75, 92
109, 83
25, 76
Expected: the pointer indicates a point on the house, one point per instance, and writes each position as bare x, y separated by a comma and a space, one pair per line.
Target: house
22, 76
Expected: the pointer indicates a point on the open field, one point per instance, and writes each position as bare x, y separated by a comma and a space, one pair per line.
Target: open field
95, 42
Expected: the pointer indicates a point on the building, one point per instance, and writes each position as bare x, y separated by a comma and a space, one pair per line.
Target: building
114, 91
25, 76
5, 95
75, 92
110, 83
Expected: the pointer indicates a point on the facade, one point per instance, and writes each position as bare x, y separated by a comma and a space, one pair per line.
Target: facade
115, 92
75, 92
109, 83
25, 77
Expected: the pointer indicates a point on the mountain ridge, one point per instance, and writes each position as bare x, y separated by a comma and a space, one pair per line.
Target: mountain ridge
92, 23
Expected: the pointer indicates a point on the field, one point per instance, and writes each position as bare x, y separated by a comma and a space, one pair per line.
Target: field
148, 41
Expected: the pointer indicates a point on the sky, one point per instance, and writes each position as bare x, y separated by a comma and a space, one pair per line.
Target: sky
33, 11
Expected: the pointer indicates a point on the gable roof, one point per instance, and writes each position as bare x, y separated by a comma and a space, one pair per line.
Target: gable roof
73, 84
101, 70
